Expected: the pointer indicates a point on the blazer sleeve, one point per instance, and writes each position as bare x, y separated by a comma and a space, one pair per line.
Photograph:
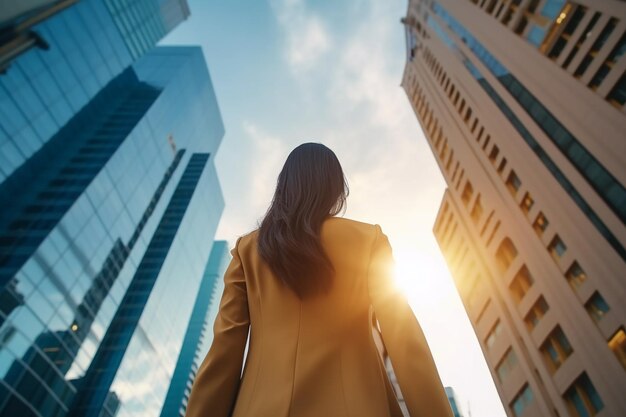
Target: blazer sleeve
402, 335
217, 383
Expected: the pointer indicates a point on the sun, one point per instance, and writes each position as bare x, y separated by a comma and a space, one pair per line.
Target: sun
416, 272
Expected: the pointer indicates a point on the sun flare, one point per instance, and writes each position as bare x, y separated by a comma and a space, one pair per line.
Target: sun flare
415, 272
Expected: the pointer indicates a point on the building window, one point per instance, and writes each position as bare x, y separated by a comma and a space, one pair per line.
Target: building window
522, 400
468, 115
609, 63
502, 166
597, 307
468, 191
486, 143
490, 340
449, 163
595, 48
506, 365
540, 224
513, 183
521, 284
556, 13
519, 29
555, 349
477, 210
493, 155
505, 254
491, 5
575, 275
581, 39
509, 12
458, 183
582, 398
527, 203
557, 248
480, 134
571, 25
537, 311
617, 343
444, 151
617, 96
439, 137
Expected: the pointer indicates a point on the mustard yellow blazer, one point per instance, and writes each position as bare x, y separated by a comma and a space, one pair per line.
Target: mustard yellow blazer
317, 357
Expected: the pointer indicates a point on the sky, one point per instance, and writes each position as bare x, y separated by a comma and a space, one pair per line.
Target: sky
292, 71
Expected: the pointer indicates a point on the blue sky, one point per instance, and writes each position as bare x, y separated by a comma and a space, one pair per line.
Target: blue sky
292, 71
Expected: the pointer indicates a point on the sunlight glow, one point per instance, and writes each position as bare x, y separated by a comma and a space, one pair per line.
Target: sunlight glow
416, 272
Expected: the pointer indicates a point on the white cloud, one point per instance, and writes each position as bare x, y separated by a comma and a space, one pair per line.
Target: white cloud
306, 37
368, 121
273, 151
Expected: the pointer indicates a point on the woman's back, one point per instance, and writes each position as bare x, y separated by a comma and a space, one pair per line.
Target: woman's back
315, 356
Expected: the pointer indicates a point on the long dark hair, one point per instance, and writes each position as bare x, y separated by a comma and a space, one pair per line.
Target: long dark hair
311, 187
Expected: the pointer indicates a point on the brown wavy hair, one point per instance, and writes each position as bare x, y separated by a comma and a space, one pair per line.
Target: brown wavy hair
310, 188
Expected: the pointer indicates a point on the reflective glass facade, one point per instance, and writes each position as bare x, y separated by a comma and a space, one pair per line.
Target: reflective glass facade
143, 22
43, 90
110, 204
199, 332
90, 43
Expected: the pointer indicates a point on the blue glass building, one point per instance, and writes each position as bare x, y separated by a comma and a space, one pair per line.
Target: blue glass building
198, 337
453, 402
90, 43
110, 204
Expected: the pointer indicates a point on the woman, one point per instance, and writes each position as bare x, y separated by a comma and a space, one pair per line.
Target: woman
305, 284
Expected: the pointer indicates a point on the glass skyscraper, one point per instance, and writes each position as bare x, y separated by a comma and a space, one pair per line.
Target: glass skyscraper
90, 44
453, 402
199, 333
110, 202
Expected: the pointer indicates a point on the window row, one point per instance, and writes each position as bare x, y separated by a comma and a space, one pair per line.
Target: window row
557, 348
506, 253
513, 183
443, 150
554, 28
581, 397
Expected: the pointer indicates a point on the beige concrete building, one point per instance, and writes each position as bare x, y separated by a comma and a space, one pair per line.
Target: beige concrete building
522, 103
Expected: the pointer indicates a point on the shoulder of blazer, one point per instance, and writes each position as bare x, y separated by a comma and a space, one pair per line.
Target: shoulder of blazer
355, 223
360, 230
245, 240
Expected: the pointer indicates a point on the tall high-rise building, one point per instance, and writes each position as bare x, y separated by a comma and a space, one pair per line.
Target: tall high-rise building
522, 104
199, 333
110, 202
453, 402
142, 23
88, 45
